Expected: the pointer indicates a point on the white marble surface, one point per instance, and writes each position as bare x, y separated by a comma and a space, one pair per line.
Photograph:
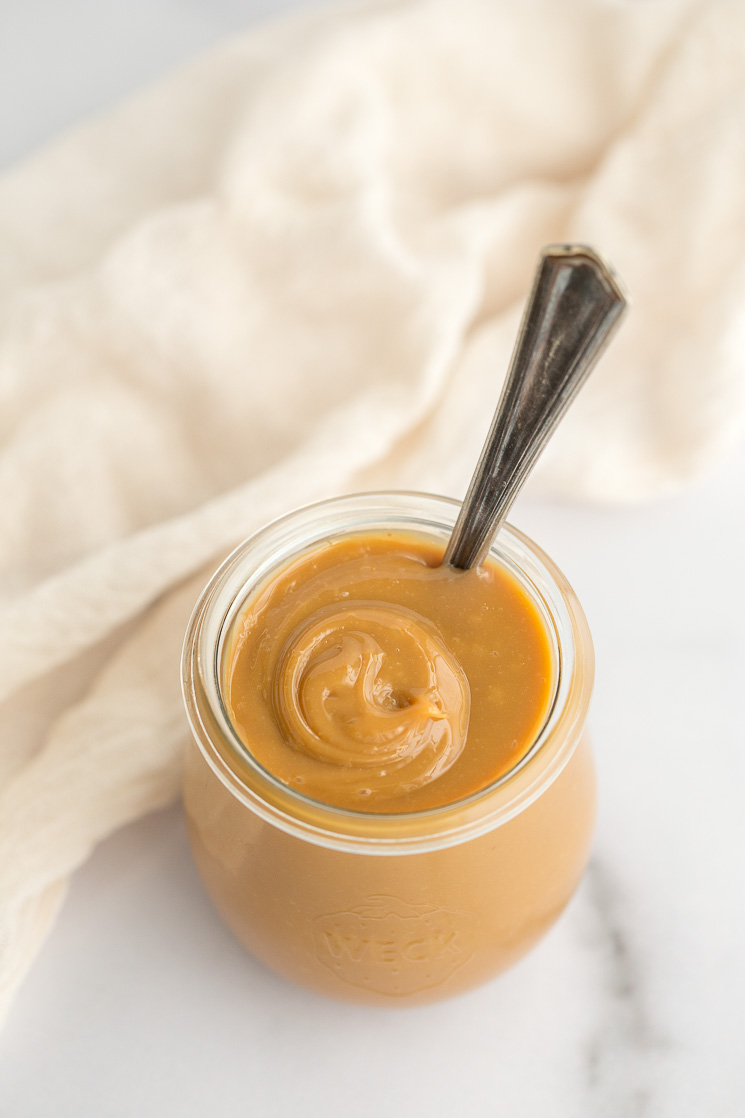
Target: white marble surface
141, 1004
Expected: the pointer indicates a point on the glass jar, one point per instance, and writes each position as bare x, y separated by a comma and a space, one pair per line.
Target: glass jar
391, 909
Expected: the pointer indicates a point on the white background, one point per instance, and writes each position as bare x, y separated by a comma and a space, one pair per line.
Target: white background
141, 1004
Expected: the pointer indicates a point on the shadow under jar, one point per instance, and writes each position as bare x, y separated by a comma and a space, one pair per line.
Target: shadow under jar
393, 909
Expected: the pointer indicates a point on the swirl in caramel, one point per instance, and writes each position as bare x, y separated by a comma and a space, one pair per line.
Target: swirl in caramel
371, 688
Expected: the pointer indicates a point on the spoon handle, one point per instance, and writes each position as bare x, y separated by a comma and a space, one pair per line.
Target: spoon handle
575, 304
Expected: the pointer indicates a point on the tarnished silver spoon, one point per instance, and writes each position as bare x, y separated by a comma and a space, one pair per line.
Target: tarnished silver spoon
573, 309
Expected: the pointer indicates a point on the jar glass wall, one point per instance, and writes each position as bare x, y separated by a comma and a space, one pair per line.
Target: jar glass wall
393, 909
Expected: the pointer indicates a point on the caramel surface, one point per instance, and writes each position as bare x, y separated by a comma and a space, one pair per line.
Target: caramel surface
367, 676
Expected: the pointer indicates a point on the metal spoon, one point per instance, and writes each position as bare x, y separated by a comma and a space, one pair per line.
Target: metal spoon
573, 309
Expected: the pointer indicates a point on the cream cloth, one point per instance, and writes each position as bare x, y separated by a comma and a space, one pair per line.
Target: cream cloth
295, 269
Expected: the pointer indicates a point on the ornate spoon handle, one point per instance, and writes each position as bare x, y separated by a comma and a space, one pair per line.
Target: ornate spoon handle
573, 309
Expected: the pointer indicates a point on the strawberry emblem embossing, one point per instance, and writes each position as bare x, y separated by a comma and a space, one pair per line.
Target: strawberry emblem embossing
394, 948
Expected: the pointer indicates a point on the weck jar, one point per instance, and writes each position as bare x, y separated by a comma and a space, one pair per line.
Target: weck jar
401, 908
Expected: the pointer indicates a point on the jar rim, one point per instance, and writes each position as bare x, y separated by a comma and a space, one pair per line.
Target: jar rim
261, 555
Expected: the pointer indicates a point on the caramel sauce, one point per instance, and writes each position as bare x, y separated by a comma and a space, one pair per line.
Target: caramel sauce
367, 676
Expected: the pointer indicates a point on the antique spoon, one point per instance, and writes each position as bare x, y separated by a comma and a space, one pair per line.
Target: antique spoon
573, 309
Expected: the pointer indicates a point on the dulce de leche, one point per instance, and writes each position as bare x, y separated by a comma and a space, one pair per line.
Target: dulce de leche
369, 676
390, 792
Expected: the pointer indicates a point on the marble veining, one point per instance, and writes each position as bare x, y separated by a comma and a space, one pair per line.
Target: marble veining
619, 1056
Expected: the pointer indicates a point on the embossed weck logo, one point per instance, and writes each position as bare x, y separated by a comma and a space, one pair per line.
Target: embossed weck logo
392, 947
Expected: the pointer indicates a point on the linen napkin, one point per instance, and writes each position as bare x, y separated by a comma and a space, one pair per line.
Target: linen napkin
294, 269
